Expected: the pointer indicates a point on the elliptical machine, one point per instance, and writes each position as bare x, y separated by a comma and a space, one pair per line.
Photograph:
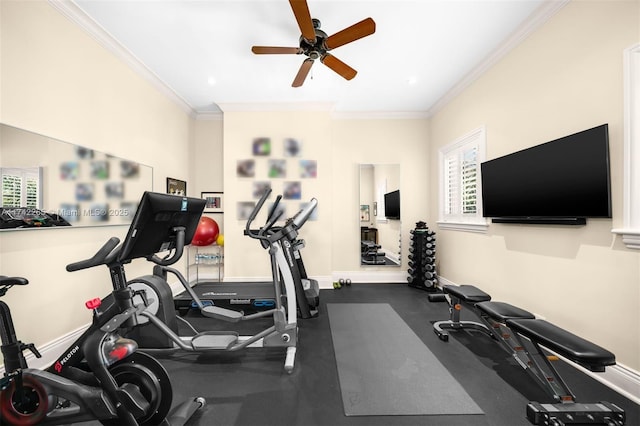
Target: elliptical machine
251, 297
161, 328
101, 376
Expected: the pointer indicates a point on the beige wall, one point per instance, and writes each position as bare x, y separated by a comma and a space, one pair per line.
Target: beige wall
398, 141
57, 81
244, 258
206, 161
564, 78
339, 146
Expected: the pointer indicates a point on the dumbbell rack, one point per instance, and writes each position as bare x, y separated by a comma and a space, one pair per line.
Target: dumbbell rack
422, 258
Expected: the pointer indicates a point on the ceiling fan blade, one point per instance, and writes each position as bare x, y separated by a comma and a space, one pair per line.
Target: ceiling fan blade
338, 66
302, 73
265, 50
301, 12
356, 31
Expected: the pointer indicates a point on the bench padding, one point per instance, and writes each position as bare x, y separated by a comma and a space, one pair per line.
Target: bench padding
501, 311
566, 344
467, 293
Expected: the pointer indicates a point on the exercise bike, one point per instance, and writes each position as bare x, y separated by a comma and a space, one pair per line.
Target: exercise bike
101, 376
159, 323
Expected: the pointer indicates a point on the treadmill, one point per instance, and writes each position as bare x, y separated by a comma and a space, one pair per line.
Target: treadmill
253, 297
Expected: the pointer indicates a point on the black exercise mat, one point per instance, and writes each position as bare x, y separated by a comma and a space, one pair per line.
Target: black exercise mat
385, 369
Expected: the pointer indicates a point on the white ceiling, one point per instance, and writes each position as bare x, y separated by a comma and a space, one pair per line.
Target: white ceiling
200, 50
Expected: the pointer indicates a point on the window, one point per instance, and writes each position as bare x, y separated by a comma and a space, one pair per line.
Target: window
460, 195
631, 202
21, 187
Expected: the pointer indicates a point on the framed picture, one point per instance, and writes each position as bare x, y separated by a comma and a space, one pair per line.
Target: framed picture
214, 201
176, 186
364, 213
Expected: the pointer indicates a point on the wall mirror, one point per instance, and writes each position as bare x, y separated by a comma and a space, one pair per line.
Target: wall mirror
380, 232
50, 183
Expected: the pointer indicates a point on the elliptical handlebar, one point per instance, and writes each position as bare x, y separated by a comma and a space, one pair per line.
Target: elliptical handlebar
258, 206
297, 221
273, 218
254, 213
104, 256
304, 214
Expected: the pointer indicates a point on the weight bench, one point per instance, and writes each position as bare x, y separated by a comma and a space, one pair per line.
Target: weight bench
523, 336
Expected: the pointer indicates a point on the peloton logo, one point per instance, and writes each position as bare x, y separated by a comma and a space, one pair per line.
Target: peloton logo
58, 366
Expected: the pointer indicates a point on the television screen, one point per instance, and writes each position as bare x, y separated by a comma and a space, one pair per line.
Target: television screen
392, 205
564, 178
151, 230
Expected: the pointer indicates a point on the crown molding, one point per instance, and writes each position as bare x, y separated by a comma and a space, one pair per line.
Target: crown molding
321, 107
209, 116
275, 106
380, 115
72, 12
536, 20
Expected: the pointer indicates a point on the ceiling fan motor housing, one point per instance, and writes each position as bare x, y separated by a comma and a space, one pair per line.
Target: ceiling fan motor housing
318, 48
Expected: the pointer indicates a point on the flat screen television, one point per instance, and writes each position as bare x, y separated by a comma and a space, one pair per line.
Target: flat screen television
562, 181
392, 205
151, 230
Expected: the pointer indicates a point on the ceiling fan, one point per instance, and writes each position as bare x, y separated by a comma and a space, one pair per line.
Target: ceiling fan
315, 44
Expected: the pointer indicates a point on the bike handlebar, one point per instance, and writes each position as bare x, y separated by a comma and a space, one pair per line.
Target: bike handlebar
105, 255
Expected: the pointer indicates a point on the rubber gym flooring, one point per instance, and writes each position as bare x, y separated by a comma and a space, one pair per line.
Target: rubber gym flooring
250, 387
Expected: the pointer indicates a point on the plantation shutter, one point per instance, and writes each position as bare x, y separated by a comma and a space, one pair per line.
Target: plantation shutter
21, 187
469, 180
452, 187
11, 190
461, 171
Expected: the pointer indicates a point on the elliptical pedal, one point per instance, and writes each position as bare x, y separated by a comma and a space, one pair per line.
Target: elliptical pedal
223, 314
214, 341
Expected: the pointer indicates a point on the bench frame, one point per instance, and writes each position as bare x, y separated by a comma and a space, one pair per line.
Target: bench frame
534, 360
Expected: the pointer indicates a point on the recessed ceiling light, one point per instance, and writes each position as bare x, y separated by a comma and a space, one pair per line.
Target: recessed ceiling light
211, 81
412, 80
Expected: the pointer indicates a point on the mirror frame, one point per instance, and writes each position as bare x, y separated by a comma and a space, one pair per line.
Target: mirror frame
380, 238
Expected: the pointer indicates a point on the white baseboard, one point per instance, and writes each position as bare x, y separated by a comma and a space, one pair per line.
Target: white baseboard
619, 377
397, 275
324, 282
52, 350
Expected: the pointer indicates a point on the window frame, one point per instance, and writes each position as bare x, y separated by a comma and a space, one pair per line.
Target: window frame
476, 139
